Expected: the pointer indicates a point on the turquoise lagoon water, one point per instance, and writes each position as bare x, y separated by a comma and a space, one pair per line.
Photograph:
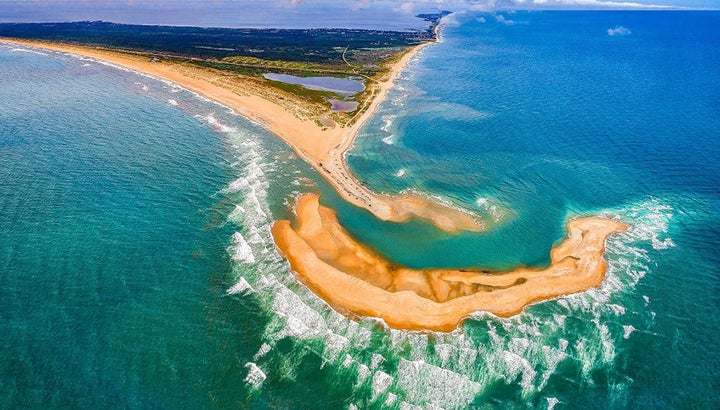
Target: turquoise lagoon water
137, 269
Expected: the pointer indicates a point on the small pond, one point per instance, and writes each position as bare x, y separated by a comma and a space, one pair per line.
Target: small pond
332, 84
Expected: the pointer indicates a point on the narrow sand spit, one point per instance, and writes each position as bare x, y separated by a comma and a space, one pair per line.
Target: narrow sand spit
323, 148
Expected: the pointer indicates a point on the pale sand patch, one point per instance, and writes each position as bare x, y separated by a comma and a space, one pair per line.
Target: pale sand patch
322, 147
356, 280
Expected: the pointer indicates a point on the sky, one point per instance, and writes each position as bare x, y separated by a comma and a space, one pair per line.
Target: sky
371, 14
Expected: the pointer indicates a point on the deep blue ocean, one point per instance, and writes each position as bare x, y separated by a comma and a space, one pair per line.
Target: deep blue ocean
137, 269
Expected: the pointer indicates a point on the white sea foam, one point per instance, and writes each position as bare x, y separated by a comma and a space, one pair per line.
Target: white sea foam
363, 373
608, 347
241, 251
121, 68
552, 402
552, 357
376, 360
217, 125
172, 102
264, 349
617, 309
389, 140
444, 351
650, 221
664, 244
380, 382
334, 345
517, 365
28, 50
242, 287
400, 173
238, 184
255, 376
618, 31
520, 345
301, 321
494, 210
425, 383
387, 122
627, 331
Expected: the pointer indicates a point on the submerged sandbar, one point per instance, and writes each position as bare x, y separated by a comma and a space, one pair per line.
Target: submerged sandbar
356, 280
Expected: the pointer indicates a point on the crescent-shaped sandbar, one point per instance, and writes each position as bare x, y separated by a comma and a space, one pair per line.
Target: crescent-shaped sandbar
356, 280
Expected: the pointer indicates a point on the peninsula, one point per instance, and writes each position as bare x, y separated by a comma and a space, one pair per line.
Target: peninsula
317, 139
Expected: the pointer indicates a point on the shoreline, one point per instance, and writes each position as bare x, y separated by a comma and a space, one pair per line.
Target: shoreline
356, 280
323, 149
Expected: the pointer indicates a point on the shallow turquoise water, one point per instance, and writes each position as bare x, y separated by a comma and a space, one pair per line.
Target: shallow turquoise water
137, 270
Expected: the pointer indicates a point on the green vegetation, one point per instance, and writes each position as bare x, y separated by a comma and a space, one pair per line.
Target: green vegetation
284, 65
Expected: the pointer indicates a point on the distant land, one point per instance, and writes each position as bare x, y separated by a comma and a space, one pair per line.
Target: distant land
306, 45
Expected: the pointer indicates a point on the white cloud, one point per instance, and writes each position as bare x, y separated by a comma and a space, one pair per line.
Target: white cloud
619, 31
360, 4
489, 5
407, 7
504, 20
597, 4
291, 3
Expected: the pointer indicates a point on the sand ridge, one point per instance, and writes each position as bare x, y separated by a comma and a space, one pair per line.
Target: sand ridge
322, 147
356, 280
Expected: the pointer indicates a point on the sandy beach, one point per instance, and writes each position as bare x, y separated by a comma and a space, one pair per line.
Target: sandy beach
322, 147
356, 280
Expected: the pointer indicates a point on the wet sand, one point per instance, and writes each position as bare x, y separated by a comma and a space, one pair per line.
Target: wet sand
356, 280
